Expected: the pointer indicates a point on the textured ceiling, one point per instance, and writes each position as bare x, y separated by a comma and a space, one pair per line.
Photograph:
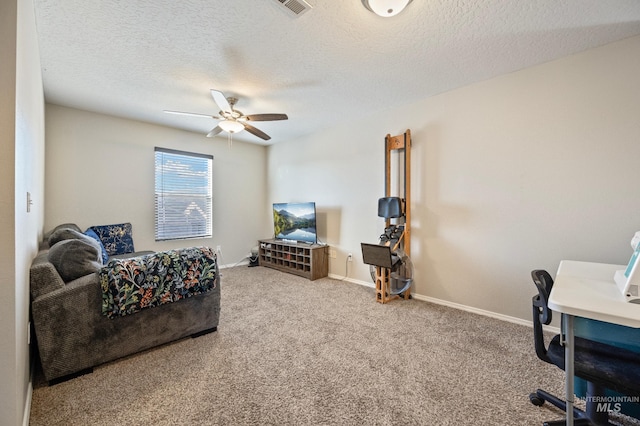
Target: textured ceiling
335, 63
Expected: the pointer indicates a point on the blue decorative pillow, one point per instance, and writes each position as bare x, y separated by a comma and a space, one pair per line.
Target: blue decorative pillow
116, 239
103, 252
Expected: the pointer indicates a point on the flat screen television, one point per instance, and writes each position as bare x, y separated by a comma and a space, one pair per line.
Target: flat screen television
295, 222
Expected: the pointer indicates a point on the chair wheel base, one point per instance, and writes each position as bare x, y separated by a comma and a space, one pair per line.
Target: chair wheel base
576, 422
536, 399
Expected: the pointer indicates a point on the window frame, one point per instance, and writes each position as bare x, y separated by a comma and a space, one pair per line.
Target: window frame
170, 228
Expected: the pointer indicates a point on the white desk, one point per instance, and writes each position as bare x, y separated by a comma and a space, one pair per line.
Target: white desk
588, 290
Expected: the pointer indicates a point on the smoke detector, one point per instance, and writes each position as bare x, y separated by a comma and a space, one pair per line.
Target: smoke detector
297, 7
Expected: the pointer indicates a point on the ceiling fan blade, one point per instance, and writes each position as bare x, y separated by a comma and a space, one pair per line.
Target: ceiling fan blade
221, 100
257, 132
194, 114
214, 131
266, 117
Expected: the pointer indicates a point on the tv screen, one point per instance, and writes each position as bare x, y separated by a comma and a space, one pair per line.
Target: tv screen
295, 221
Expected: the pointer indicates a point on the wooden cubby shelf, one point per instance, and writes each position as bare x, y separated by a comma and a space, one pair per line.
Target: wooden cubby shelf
307, 260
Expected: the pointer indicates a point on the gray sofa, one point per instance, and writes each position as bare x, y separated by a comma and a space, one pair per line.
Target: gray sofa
73, 334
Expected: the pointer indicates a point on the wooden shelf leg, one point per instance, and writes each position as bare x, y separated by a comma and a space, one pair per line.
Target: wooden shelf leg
382, 285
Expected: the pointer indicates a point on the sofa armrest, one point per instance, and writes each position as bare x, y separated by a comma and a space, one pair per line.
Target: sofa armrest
80, 297
64, 320
44, 279
43, 276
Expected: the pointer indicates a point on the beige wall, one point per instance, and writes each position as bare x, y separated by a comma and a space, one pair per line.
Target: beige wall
510, 174
100, 170
21, 171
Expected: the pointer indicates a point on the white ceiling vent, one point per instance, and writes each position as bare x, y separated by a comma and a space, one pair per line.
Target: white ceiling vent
297, 7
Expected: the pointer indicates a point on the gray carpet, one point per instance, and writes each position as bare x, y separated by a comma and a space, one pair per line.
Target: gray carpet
289, 351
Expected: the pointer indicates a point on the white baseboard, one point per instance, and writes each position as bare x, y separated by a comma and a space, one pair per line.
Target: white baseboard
496, 315
244, 261
459, 306
351, 280
27, 405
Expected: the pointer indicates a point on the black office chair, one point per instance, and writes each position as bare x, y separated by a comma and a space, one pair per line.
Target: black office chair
602, 366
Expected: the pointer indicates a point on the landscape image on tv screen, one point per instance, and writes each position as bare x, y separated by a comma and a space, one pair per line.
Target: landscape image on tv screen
295, 221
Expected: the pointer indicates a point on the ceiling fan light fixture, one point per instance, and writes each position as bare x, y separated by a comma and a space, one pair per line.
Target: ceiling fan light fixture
231, 126
232, 120
386, 8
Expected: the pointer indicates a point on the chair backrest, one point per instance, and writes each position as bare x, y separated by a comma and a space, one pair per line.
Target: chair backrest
541, 311
544, 283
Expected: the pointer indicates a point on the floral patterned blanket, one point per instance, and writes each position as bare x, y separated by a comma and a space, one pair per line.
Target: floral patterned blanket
129, 285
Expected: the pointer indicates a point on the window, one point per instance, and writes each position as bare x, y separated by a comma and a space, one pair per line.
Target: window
183, 194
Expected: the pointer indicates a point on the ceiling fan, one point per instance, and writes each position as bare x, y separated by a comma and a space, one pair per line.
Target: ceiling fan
233, 120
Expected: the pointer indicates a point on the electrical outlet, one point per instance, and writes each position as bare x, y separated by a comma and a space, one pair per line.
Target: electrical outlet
332, 253
350, 257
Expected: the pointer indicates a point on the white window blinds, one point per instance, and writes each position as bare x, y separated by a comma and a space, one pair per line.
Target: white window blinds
183, 194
